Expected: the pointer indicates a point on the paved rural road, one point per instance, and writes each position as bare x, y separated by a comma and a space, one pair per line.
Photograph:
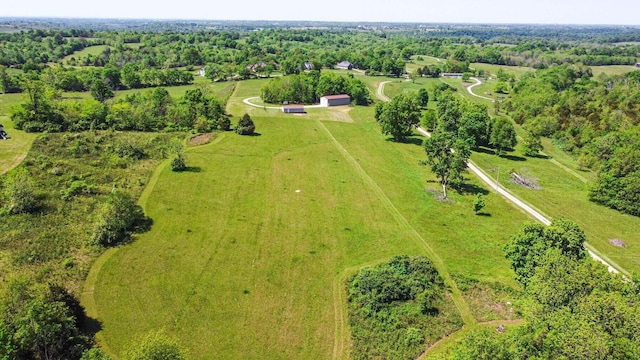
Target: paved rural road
476, 170
248, 102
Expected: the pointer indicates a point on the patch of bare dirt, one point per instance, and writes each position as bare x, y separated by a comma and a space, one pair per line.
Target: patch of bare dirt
618, 243
200, 139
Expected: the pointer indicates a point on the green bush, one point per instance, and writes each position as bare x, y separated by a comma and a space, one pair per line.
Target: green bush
118, 218
178, 164
245, 125
19, 193
155, 346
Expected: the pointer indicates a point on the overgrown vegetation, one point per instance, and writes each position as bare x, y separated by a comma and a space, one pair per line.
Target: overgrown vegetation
574, 308
398, 308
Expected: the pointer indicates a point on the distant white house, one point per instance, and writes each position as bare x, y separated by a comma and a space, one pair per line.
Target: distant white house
451, 75
308, 65
293, 109
202, 72
345, 65
335, 100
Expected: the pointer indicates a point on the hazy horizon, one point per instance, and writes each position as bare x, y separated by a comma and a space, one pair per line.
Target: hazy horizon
543, 12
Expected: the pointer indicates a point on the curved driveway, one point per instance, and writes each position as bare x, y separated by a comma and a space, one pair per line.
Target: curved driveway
470, 89
248, 102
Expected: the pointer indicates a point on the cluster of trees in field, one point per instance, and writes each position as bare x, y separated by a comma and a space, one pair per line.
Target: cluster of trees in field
541, 54
309, 87
573, 307
394, 308
597, 120
43, 109
455, 125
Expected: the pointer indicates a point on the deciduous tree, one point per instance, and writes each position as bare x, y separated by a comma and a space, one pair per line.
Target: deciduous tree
503, 135
398, 117
447, 157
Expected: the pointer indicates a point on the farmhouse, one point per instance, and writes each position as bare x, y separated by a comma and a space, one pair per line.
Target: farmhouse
293, 109
202, 72
335, 100
345, 65
451, 75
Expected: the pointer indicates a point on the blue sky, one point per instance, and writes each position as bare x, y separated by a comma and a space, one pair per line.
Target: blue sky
626, 12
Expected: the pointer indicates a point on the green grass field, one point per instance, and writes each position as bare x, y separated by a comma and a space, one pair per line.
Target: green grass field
89, 50
414, 64
517, 71
564, 194
612, 70
13, 150
240, 263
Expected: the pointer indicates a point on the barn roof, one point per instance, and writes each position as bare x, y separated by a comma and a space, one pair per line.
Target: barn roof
336, 97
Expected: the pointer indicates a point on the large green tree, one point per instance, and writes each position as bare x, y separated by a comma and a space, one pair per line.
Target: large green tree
525, 249
40, 322
398, 117
447, 156
503, 135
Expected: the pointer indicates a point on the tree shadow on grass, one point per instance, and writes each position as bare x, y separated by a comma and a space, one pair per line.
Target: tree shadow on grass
485, 150
540, 156
514, 157
193, 169
483, 214
470, 189
414, 140
91, 326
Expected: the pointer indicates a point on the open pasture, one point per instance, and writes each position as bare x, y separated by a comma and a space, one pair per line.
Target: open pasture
249, 249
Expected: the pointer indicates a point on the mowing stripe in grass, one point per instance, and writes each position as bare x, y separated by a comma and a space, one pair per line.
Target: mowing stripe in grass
462, 306
87, 299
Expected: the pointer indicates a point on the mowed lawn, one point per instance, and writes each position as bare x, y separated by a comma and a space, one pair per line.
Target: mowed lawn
13, 150
247, 248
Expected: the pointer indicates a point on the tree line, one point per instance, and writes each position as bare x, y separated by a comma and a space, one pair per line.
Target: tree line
43, 109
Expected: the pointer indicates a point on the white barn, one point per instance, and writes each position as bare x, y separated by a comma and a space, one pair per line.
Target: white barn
345, 65
335, 100
293, 109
